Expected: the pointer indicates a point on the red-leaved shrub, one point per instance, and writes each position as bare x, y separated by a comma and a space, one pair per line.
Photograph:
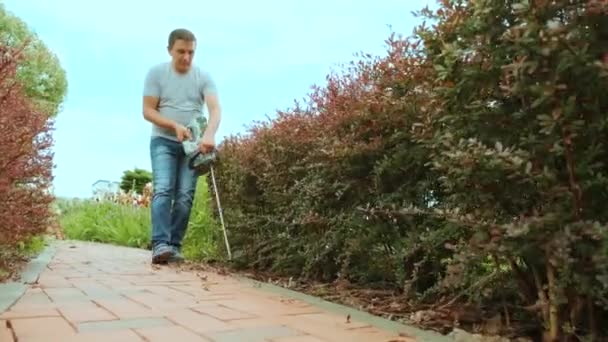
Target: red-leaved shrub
25, 158
466, 171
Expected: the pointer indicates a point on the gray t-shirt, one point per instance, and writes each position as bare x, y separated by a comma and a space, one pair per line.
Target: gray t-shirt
181, 96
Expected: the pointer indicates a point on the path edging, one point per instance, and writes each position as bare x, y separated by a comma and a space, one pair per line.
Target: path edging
362, 316
11, 291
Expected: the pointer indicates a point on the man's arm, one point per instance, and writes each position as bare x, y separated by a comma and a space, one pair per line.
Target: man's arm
150, 108
151, 113
213, 106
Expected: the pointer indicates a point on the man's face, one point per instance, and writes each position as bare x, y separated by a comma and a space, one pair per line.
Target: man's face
182, 53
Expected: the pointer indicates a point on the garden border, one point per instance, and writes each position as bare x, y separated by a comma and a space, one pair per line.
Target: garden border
361, 316
11, 291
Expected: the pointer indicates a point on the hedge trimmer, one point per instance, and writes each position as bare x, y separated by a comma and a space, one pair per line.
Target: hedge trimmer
202, 163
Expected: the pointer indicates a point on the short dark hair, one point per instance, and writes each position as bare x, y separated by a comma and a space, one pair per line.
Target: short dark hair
182, 34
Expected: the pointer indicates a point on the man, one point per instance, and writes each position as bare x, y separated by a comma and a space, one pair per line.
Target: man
174, 94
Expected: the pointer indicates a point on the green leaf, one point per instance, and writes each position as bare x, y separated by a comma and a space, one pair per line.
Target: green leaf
40, 72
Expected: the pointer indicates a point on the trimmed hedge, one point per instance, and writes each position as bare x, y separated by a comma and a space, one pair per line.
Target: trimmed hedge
467, 165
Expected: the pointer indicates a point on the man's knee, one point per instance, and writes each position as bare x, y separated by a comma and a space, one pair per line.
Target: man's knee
185, 196
186, 187
162, 192
162, 187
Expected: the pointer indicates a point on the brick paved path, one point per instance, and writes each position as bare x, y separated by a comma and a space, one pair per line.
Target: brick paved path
93, 292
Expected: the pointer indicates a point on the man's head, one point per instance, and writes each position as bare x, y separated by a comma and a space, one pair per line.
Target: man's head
182, 44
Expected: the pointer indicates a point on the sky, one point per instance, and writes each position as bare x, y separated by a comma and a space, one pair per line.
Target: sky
262, 55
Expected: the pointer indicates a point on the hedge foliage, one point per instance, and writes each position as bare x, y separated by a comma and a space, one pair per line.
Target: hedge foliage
468, 164
25, 159
32, 88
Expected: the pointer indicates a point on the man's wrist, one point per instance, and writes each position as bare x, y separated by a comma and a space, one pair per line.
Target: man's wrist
209, 132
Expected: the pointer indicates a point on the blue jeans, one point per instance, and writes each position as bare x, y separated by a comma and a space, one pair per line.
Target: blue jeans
174, 185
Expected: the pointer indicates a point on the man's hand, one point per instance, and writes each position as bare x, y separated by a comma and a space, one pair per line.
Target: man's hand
182, 132
207, 144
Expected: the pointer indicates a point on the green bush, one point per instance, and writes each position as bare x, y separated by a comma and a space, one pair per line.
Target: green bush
135, 180
468, 165
296, 189
518, 135
32, 88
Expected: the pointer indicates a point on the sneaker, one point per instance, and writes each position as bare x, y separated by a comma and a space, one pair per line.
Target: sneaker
161, 253
177, 255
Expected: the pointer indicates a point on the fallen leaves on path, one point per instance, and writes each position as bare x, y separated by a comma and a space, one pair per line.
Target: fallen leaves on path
385, 303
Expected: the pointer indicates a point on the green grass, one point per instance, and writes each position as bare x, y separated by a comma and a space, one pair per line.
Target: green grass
130, 226
12, 256
105, 222
32, 246
203, 235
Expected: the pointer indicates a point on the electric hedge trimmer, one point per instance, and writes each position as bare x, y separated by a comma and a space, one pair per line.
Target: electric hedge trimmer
202, 163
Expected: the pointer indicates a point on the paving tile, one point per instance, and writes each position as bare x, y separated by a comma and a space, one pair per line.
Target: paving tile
171, 333
74, 274
198, 322
198, 290
167, 292
5, 334
58, 266
40, 329
121, 324
115, 282
63, 295
20, 311
97, 292
32, 304
210, 299
259, 334
303, 338
332, 320
125, 308
202, 295
251, 303
264, 321
35, 297
160, 279
155, 301
326, 330
86, 313
48, 280
372, 334
104, 336
221, 312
